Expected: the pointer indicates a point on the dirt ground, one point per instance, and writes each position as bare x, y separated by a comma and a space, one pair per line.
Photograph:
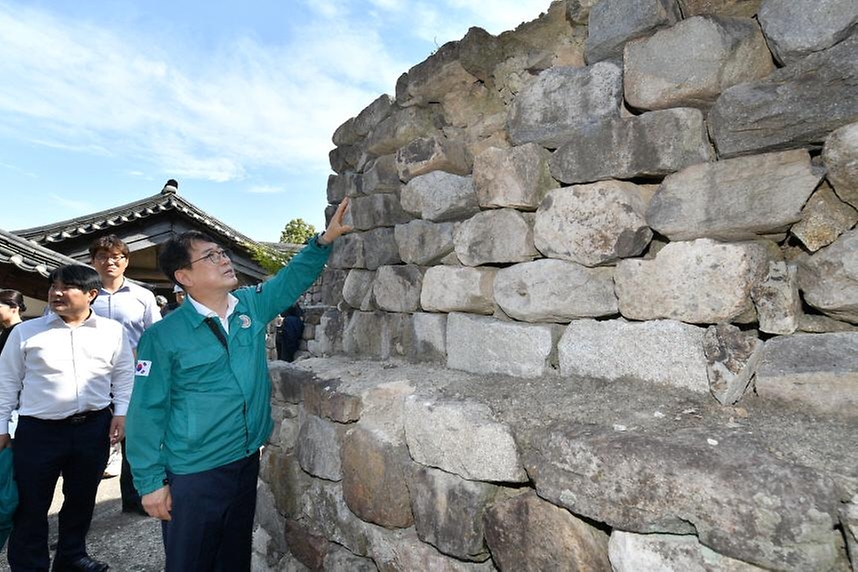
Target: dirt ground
128, 542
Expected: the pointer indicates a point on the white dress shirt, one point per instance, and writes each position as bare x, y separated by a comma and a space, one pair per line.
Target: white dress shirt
131, 305
50, 370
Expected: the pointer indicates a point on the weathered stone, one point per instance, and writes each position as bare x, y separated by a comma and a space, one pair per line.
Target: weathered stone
718, 53
551, 40
344, 158
434, 153
329, 333
818, 370
332, 286
434, 77
840, 155
518, 177
655, 143
357, 289
397, 288
458, 289
740, 499
551, 108
795, 29
578, 11
381, 176
630, 552
377, 335
318, 448
348, 252
448, 512
700, 282
374, 478
430, 338
287, 481
593, 224
482, 344
849, 520
406, 552
374, 211
325, 512
461, 438
824, 218
829, 278
731, 358
551, 290
380, 248
423, 242
816, 324
308, 548
612, 23
324, 399
287, 381
734, 199
777, 300
477, 111
346, 134
373, 114
657, 351
795, 106
495, 236
440, 196
528, 533
400, 128
268, 518
735, 8
337, 558
347, 184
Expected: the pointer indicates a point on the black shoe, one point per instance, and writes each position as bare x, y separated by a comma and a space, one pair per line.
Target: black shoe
85, 564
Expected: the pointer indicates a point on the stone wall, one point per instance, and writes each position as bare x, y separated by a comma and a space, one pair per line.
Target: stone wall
661, 192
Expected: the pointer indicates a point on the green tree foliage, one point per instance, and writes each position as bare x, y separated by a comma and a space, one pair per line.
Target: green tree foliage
297, 232
270, 259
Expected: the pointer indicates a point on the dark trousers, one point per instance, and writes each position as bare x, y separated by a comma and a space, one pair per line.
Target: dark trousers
43, 451
212, 518
130, 497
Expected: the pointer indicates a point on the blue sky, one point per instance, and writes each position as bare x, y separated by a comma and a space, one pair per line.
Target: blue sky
102, 101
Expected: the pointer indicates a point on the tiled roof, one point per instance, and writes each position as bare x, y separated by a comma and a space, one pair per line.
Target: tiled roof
29, 256
166, 200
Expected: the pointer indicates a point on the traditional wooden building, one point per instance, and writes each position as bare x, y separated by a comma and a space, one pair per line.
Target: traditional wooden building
27, 256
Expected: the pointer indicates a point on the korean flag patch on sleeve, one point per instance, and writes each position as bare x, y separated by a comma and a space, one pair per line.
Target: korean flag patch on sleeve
143, 367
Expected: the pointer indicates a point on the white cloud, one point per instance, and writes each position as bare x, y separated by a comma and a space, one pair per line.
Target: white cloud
217, 115
264, 190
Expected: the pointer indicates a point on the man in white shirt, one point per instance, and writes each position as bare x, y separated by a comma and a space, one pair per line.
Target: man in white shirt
135, 308
63, 371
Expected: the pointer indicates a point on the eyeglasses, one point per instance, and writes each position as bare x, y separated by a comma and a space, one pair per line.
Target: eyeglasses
215, 256
63, 288
116, 258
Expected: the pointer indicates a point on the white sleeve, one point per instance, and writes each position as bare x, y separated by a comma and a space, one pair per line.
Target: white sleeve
11, 378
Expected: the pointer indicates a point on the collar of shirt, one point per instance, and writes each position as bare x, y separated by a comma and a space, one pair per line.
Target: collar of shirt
56, 318
232, 302
124, 286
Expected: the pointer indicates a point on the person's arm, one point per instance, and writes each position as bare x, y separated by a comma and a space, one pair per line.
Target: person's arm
148, 415
11, 382
151, 311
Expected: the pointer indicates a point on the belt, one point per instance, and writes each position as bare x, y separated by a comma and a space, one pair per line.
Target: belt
76, 419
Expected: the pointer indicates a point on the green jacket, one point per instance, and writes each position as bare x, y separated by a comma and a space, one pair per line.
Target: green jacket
196, 406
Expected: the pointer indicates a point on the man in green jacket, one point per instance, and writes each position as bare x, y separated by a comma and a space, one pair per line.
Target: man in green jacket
200, 409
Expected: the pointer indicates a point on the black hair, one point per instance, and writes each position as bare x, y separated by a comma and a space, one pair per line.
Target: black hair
76, 275
176, 252
108, 243
13, 298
